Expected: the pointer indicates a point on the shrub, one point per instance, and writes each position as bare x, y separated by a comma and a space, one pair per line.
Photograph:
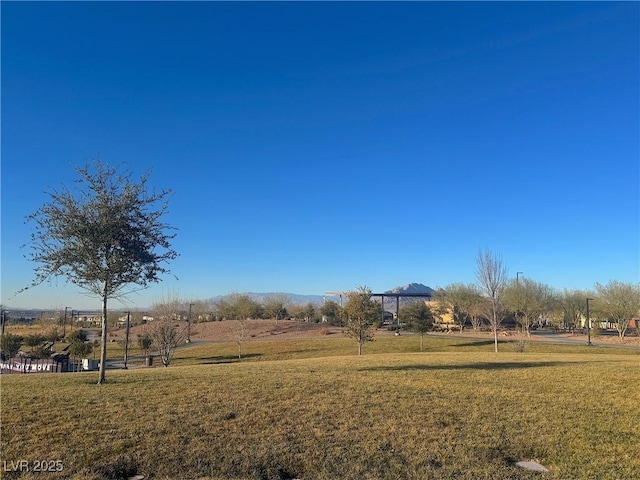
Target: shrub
10, 345
520, 344
34, 340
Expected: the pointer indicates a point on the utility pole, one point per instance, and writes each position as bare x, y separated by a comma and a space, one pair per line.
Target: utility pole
126, 340
588, 324
64, 323
189, 324
517, 313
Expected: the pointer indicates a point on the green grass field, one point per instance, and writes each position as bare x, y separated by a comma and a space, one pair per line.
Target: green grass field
313, 410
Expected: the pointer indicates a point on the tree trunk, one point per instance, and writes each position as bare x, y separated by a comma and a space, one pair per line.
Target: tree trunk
495, 327
421, 342
103, 351
359, 348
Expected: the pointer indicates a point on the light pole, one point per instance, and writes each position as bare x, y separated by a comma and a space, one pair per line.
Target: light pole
518, 296
126, 341
189, 324
588, 324
64, 323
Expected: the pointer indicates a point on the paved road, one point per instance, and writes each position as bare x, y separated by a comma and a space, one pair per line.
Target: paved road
548, 336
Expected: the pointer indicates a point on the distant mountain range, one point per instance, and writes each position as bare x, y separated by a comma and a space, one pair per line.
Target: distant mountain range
295, 298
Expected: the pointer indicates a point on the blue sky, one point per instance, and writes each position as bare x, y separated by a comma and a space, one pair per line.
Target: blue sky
322, 146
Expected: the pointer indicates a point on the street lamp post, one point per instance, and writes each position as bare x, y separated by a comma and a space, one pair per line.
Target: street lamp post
518, 296
189, 324
588, 324
126, 340
64, 323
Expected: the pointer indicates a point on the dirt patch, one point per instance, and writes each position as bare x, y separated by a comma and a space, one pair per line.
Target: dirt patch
256, 330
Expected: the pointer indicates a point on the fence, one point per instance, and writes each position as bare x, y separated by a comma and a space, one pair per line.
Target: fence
34, 365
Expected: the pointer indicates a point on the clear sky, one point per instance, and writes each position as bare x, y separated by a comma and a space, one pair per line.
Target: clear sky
323, 146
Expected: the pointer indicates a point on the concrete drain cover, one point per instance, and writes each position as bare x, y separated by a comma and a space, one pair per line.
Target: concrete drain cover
531, 465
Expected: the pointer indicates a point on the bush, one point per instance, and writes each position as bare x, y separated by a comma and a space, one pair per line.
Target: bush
40, 351
10, 345
145, 342
34, 340
77, 336
52, 335
519, 345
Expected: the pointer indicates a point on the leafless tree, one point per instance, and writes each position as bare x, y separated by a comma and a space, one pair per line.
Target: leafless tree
168, 330
238, 331
491, 275
275, 306
569, 308
619, 302
462, 301
529, 300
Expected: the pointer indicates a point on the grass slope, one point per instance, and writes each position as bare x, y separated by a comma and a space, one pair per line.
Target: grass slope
462, 413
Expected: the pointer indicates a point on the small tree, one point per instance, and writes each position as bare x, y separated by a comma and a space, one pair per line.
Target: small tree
332, 312
77, 336
166, 332
491, 275
145, 342
10, 345
236, 306
52, 334
104, 238
419, 318
361, 312
570, 306
34, 340
463, 301
275, 306
79, 349
529, 300
619, 302
238, 332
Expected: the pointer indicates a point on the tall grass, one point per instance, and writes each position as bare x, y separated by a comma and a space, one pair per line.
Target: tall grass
451, 412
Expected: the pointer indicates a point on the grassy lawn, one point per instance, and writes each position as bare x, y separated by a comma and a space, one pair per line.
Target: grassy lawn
313, 410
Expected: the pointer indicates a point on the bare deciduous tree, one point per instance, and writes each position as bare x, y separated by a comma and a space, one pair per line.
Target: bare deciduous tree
237, 331
618, 302
570, 306
529, 300
491, 275
168, 330
463, 301
105, 237
275, 306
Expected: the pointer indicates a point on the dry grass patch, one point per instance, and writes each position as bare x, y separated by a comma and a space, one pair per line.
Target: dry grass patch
438, 415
